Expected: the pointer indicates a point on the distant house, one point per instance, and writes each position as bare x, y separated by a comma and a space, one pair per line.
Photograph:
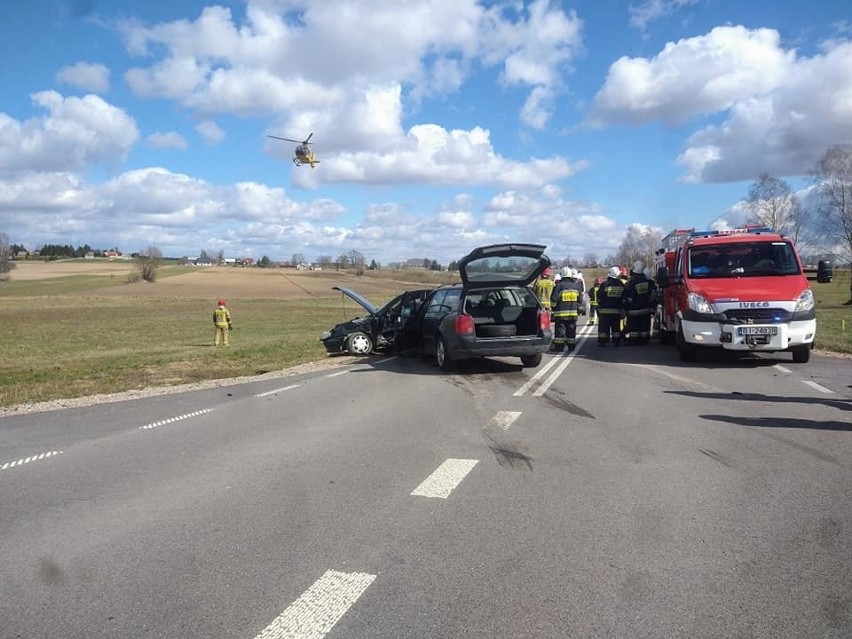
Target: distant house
22, 255
417, 263
90, 255
111, 254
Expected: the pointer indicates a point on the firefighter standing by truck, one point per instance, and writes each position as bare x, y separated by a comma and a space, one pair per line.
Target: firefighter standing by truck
637, 304
221, 323
566, 308
610, 308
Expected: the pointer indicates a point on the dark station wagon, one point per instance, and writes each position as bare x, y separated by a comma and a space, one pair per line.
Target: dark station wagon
492, 313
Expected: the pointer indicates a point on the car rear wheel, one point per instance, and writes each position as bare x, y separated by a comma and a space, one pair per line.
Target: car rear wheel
359, 344
443, 361
531, 361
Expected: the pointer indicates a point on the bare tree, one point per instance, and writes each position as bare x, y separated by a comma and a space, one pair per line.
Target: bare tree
6, 263
771, 203
639, 243
357, 261
833, 175
148, 262
590, 260
297, 259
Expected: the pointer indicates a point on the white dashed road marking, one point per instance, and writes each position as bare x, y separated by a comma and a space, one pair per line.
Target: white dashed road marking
337, 374
27, 460
172, 420
277, 390
505, 418
819, 387
445, 478
783, 369
321, 606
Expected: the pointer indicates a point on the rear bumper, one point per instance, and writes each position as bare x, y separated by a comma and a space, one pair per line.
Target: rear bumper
467, 348
727, 336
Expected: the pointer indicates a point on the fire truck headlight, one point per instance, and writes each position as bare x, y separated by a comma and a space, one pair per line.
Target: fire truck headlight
805, 301
698, 304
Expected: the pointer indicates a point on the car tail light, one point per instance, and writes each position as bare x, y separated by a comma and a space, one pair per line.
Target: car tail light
464, 325
543, 320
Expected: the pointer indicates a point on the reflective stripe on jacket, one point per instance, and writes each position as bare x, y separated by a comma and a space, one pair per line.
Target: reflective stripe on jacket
222, 317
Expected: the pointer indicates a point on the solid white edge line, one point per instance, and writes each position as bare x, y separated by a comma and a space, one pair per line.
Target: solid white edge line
338, 374
321, 606
567, 358
819, 387
445, 478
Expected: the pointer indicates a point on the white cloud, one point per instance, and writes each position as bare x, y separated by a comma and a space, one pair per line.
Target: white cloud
694, 76
783, 133
432, 155
316, 56
210, 131
642, 14
83, 75
76, 132
170, 140
779, 111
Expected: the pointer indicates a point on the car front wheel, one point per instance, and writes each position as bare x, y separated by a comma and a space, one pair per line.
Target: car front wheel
359, 344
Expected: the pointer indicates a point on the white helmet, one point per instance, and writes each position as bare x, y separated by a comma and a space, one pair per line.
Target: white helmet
557, 277
648, 272
638, 266
613, 271
566, 271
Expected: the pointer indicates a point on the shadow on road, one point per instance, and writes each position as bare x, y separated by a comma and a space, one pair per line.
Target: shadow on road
782, 422
840, 404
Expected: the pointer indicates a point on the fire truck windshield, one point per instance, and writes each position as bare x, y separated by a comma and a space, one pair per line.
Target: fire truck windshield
745, 259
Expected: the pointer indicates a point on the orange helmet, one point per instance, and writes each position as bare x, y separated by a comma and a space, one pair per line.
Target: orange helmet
546, 272
221, 302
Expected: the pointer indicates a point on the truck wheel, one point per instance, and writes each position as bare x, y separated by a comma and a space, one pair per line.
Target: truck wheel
687, 352
802, 354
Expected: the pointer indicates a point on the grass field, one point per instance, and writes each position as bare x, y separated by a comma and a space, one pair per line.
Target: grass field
74, 329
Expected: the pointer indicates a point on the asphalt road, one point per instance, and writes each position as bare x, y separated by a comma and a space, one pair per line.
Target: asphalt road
613, 493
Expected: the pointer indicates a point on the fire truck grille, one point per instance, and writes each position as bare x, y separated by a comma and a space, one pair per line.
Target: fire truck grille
758, 316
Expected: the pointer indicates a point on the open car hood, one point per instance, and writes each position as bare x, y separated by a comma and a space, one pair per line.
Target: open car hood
503, 265
353, 295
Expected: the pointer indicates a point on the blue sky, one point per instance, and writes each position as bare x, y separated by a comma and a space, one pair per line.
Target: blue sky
441, 125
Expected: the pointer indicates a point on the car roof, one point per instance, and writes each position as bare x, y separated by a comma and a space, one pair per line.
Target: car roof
503, 264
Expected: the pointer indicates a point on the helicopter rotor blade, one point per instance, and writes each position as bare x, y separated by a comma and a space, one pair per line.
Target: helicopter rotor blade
285, 139
309, 138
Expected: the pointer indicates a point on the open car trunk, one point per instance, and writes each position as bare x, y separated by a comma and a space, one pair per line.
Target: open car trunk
503, 312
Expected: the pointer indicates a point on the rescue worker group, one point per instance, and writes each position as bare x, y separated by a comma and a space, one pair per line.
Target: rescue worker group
622, 305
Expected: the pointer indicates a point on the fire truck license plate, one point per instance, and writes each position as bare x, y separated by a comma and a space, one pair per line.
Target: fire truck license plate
757, 330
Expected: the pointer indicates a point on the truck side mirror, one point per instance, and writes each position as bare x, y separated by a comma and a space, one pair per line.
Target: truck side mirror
663, 277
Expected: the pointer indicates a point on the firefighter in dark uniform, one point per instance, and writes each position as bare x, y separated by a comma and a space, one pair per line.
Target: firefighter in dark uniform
593, 301
565, 302
610, 308
637, 304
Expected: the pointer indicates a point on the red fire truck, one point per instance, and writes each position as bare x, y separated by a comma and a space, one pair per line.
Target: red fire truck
738, 289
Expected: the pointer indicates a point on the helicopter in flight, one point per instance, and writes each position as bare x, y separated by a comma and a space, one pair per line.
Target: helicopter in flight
303, 153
